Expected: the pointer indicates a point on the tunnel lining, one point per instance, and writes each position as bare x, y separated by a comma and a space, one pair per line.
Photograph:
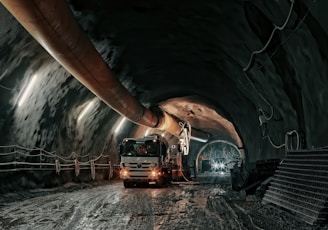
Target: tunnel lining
228, 165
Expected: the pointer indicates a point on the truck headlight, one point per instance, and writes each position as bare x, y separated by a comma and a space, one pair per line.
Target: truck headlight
124, 172
155, 173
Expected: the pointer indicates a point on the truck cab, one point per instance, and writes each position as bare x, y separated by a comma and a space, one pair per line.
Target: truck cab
143, 160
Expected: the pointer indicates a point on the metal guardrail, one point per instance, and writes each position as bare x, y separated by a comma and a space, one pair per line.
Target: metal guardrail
17, 158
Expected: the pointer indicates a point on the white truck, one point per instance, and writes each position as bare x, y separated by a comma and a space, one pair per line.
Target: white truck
145, 160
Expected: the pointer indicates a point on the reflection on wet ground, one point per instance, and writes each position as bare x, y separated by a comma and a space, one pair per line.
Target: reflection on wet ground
111, 206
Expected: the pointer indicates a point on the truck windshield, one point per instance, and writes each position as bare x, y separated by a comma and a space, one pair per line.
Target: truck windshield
147, 149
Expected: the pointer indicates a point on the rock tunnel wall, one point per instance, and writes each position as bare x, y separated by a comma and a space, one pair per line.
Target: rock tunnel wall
50, 115
184, 45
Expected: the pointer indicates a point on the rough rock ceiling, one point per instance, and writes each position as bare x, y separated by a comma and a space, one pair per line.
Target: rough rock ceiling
162, 50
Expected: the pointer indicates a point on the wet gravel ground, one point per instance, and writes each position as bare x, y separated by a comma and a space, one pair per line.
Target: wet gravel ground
109, 205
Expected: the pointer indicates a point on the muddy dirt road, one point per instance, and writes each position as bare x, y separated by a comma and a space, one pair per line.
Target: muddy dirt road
111, 206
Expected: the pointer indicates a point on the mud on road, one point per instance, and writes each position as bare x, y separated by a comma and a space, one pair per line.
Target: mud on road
111, 206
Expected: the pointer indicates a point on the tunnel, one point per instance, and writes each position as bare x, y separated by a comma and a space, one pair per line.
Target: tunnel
249, 77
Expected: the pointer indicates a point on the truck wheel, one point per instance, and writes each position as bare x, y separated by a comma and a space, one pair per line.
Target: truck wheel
167, 182
127, 184
159, 183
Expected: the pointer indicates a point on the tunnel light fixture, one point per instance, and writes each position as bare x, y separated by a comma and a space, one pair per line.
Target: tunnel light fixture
146, 133
86, 109
27, 92
215, 165
198, 139
218, 165
119, 126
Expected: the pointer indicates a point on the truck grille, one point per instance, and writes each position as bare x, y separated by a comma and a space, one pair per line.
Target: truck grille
139, 170
138, 165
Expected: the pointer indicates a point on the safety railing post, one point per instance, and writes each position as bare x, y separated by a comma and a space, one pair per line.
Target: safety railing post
40, 152
110, 170
93, 169
77, 167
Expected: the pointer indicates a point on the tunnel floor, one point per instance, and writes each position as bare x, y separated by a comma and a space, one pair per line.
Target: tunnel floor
111, 206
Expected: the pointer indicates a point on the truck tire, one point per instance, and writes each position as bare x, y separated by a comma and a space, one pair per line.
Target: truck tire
127, 184
160, 183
